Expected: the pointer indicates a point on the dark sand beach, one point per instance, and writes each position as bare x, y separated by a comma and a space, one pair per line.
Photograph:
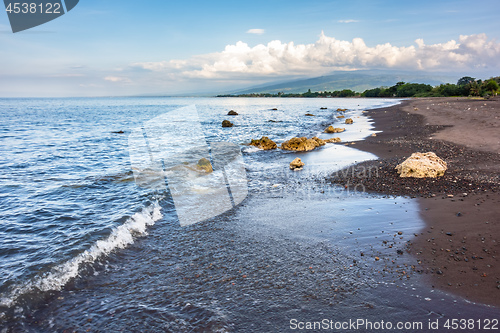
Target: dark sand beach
458, 248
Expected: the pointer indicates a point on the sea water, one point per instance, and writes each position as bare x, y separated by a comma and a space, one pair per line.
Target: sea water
84, 247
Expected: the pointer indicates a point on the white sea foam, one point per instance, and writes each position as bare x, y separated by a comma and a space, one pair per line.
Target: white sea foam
250, 149
119, 238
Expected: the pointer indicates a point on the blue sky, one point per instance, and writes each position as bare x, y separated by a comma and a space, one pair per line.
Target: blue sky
168, 47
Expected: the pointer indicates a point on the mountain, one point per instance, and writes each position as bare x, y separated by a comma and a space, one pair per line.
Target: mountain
357, 81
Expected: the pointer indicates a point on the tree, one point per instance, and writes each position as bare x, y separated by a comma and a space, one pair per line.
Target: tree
474, 88
492, 86
465, 80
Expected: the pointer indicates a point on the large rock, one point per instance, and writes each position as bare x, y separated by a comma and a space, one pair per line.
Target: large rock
331, 129
227, 123
232, 113
422, 165
302, 144
349, 121
296, 164
264, 143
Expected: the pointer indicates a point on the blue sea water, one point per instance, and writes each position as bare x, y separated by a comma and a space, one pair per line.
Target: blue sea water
82, 246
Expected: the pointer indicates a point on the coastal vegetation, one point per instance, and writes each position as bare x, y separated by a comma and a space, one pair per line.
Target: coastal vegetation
465, 86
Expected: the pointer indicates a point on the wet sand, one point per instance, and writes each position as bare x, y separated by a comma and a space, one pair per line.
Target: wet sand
458, 248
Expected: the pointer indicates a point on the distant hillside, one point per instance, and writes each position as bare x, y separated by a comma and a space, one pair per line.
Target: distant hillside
358, 81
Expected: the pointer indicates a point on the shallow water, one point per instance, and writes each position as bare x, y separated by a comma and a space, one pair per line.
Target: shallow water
84, 248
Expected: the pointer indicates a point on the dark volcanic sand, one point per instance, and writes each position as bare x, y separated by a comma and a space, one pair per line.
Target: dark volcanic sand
458, 248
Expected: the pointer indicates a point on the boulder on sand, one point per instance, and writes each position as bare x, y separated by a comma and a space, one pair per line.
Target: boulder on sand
227, 123
349, 121
264, 143
331, 129
232, 113
296, 164
422, 165
302, 144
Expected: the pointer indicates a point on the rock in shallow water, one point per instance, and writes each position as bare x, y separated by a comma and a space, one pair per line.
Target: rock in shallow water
204, 165
296, 164
333, 140
331, 129
422, 165
264, 143
227, 123
302, 144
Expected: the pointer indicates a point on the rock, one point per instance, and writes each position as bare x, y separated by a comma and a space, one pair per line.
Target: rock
341, 110
232, 113
309, 114
204, 165
422, 165
340, 117
296, 164
227, 123
331, 129
323, 108
333, 140
274, 109
118, 132
264, 143
349, 121
302, 144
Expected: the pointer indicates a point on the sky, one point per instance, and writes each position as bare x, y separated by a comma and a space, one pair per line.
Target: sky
162, 47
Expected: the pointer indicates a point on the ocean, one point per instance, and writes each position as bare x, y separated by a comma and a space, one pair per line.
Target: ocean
108, 225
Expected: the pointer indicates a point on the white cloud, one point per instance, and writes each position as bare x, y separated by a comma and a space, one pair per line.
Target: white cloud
240, 61
256, 31
348, 21
119, 79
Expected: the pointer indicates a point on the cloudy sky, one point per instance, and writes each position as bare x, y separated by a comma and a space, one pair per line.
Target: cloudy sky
111, 47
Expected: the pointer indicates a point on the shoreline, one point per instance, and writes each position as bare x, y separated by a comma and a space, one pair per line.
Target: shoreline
458, 248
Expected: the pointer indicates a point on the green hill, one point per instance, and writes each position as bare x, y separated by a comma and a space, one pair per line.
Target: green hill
358, 81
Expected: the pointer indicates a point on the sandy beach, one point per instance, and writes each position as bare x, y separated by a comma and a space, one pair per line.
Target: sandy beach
458, 248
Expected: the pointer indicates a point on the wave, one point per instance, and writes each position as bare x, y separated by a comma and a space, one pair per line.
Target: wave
60, 275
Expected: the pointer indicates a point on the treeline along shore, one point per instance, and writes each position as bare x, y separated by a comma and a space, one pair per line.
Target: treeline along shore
465, 86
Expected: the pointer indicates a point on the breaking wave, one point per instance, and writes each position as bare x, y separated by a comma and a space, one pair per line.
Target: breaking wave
59, 276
